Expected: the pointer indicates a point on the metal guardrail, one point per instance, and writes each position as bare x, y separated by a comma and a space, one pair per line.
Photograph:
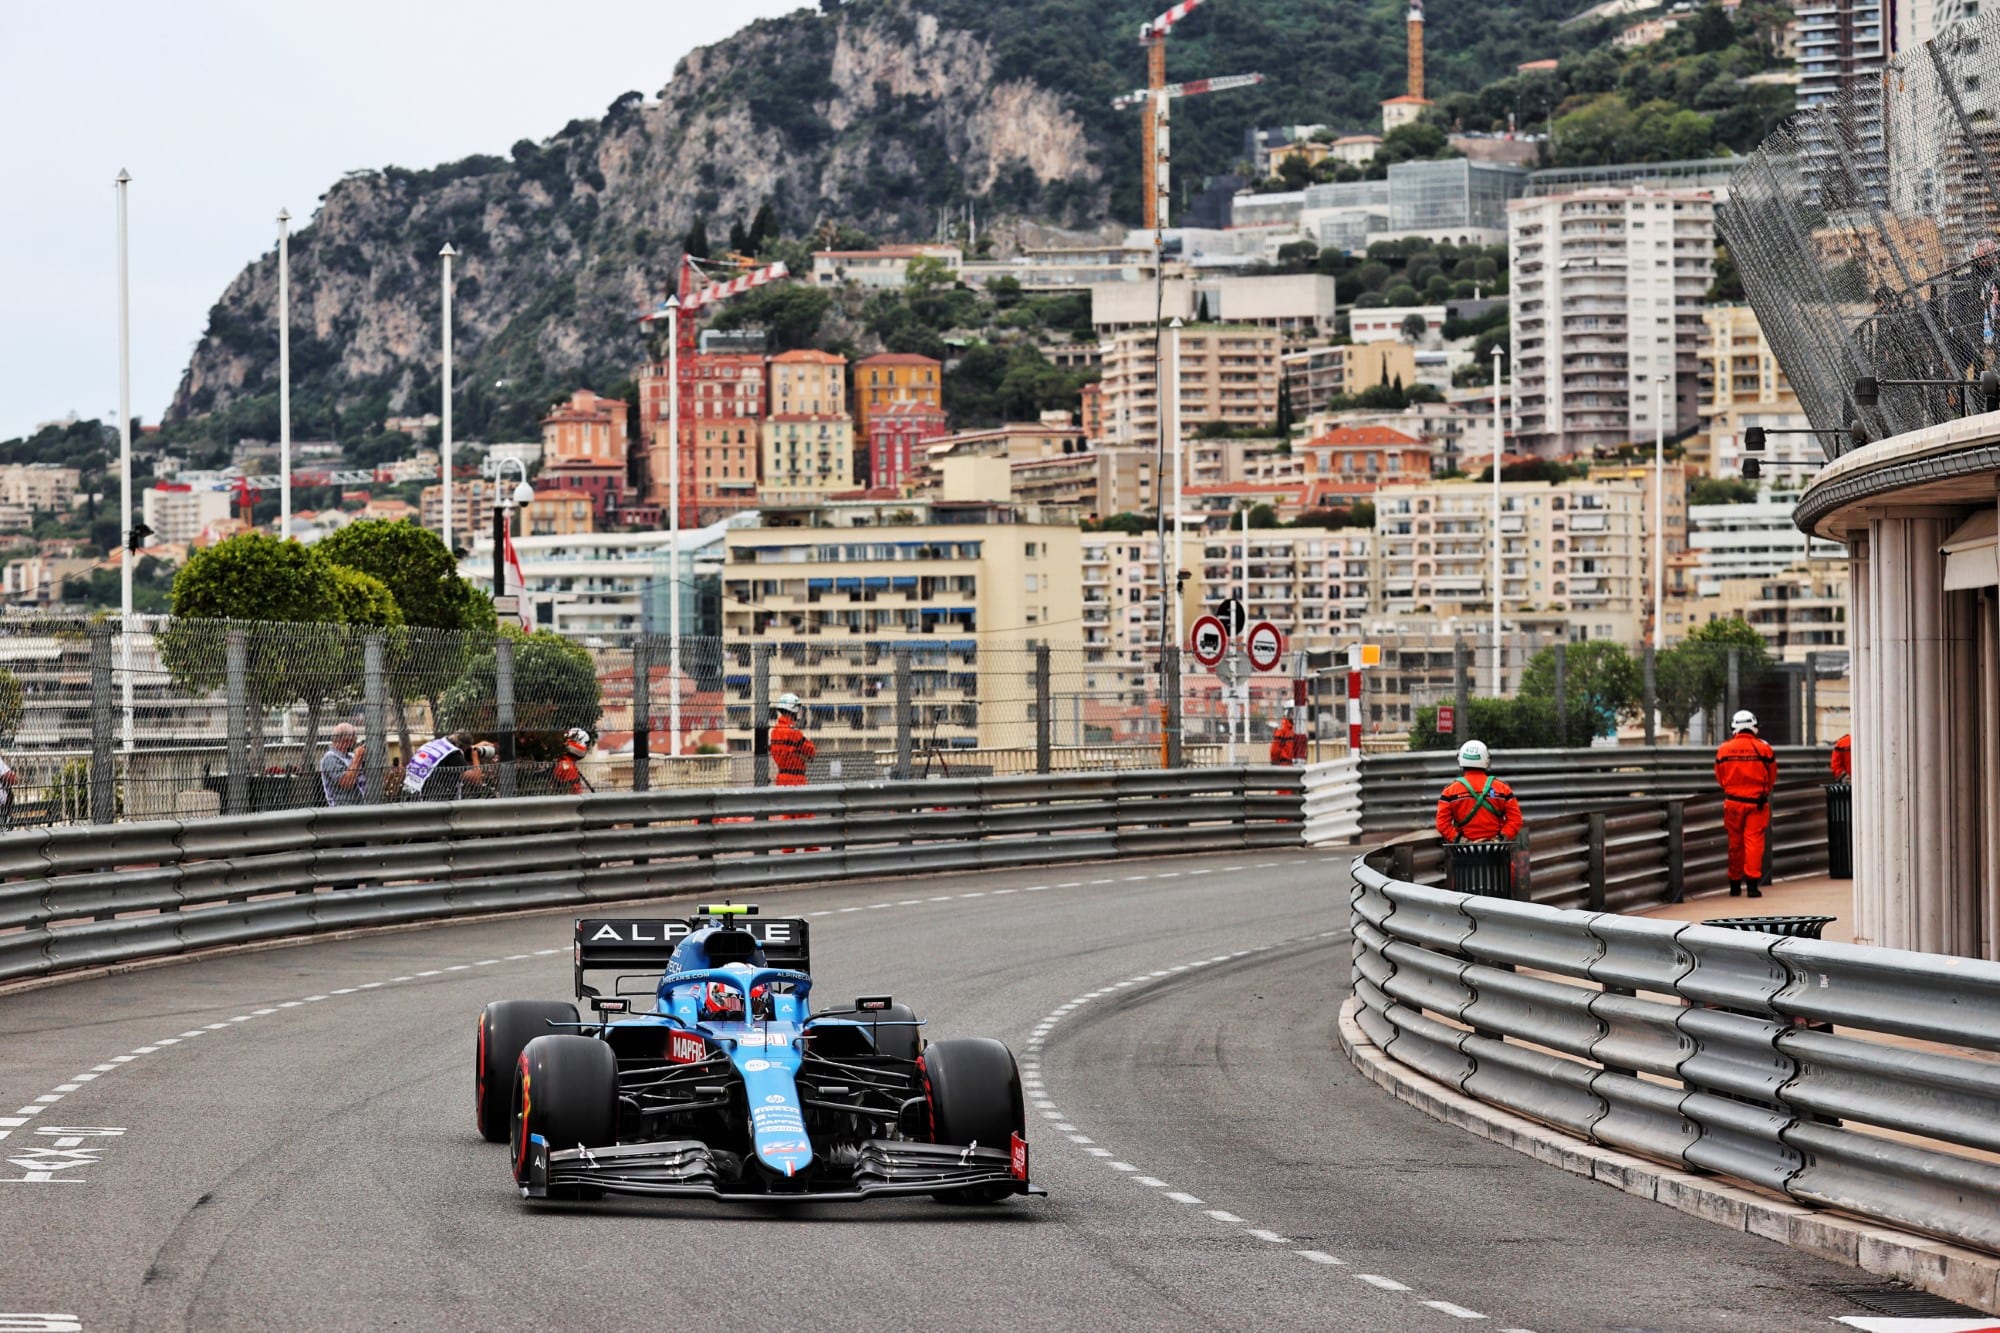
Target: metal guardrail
1333, 802
1840, 1076
84, 896
1399, 791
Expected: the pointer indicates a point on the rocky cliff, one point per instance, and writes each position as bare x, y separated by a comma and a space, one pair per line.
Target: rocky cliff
877, 118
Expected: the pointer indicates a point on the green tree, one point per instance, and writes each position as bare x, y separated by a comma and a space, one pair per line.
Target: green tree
1597, 672
555, 688
1414, 327
926, 275
696, 245
1693, 676
788, 312
1721, 491
12, 709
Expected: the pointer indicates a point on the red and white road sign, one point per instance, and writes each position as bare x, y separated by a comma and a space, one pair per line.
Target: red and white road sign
1208, 640
1265, 645
1447, 722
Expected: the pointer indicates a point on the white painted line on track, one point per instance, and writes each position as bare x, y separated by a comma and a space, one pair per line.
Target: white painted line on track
1149, 1182
1271, 1236
1455, 1311
1385, 1283
1318, 1256
1179, 1196
1222, 1215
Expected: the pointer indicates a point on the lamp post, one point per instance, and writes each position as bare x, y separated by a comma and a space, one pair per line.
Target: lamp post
1499, 447
444, 447
284, 374
125, 457
503, 519
673, 308
1172, 570
1659, 509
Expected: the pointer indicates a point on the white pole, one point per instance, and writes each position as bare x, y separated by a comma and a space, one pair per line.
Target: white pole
284, 375
1243, 717
673, 524
1659, 511
1499, 442
125, 454
444, 450
1173, 571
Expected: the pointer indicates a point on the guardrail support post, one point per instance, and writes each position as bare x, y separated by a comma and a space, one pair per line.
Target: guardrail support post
1731, 701
1812, 699
236, 689
1043, 720
1461, 674
760, 722
103, 773
373, 693
1170, 685
1652, 699
1562, 696
503, 710
1676, 854
1596, 853
642, 715
903, 719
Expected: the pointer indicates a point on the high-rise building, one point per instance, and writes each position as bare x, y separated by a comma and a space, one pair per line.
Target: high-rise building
807, 437
722, 402
1607, 293
1228, 374
1742, 385
584, 445
1318, 375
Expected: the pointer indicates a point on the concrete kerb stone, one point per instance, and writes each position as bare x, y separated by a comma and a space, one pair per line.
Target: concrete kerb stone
1951, 1271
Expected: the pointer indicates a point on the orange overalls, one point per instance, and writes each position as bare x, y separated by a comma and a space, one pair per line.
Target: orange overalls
790, 751
1486, 812
1746, 769
1843, 758
1287, 746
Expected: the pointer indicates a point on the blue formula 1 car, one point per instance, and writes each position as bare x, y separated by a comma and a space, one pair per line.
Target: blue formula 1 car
731, 1087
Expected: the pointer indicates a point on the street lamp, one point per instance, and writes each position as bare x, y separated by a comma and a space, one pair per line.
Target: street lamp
673, 308
503, 516
444, 448
1659, 506
132, 534
1499, 442
284, 374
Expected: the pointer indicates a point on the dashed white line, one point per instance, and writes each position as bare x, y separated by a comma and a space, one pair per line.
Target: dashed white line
1318, 1257
1222, 1216
1123, 1166
1455, 1311
1271, 1236
1149, 1182
1179, 1197
1385, 1283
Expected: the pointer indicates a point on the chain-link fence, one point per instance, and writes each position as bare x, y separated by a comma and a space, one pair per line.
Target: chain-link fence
181, 719
1865, 234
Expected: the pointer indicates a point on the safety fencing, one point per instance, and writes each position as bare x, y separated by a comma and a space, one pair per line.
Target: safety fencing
1860, 1079
1333, 802
86, 896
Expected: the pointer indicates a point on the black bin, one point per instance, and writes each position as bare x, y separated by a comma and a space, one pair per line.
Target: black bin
1483, 868
1798, 927
1840, 830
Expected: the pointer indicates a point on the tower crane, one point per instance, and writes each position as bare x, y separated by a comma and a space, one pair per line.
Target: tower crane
701, 286
1160, 94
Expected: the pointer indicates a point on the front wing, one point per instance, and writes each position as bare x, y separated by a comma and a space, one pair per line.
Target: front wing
684, 1167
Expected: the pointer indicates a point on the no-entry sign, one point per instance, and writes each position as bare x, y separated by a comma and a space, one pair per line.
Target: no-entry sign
1208, 640
1265, 645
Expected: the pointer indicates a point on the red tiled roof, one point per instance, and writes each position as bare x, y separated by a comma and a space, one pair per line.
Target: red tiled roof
897, 359
810, 355
1359, 435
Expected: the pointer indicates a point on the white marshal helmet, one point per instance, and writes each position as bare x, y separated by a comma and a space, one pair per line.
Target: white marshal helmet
1745, 720
576, 742
789, 705
1473, 754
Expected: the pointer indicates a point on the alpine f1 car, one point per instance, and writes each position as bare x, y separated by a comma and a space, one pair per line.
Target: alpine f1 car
729, 1086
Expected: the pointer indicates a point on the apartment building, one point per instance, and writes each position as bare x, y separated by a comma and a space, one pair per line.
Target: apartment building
1316, 586
1800, 610
1572, 554
1364, 457
899, 436
1741, 385
40, 487
1750, 541
883, 269
178, 513
1095, 483
1121, 598
594, 583
584, 445
722, 402
1318, 375
1228, 374
1607, 304
808, 439
893, 378
964, 587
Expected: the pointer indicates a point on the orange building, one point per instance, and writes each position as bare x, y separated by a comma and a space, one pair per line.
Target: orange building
722, 401
560, 514
894, 377
1368, 455
587, 429
808, 439
727, 458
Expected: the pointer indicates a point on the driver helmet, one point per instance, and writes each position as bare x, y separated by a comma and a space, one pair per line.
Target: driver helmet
789, 705
576, 742
720, 1000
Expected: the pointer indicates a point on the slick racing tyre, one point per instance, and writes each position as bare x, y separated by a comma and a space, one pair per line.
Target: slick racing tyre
898, 1033
505, 1026
566, 1090
974, 1093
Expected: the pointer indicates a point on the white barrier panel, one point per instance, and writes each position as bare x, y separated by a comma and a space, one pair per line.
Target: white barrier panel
1333, 802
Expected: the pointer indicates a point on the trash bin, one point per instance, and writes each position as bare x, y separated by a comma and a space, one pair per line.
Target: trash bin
1840, 830
1798, 927
1483, 868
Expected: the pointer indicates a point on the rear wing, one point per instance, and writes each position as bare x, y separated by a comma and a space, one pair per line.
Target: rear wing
632, 944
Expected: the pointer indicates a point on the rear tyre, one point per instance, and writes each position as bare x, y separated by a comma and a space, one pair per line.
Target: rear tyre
505, 1027
566, 1090
974, 1093
897, 1032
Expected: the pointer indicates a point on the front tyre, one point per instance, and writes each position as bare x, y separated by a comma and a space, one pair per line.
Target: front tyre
566, 1090
973, 1091
505, 1027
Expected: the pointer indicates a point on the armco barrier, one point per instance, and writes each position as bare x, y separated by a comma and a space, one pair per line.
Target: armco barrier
1333, 802
84, 896
1786, 1063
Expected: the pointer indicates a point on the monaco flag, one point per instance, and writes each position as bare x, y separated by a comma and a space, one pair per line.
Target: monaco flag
517, 586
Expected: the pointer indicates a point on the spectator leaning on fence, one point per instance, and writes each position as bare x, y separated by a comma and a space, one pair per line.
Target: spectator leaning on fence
341, 776
442, 769
1746, 769
1476, 806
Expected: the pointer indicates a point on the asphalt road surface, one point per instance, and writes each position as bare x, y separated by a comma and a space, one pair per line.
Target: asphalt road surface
285, 1139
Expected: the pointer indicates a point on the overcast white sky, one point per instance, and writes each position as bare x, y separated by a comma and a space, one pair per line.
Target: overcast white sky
225, 111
